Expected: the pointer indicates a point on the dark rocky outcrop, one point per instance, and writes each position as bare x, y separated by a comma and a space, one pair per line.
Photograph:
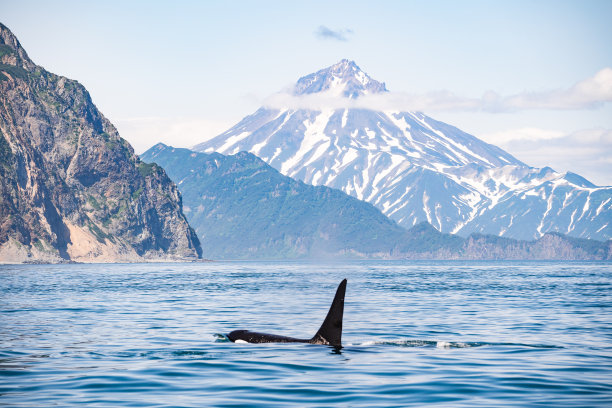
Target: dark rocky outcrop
71, 189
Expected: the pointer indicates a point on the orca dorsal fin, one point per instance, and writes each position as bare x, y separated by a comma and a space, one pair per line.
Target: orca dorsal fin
331, 329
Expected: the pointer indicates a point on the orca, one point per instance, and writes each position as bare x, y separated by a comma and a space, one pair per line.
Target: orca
329, 334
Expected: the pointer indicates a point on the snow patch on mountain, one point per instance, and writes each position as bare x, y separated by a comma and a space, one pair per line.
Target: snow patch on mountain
413, 167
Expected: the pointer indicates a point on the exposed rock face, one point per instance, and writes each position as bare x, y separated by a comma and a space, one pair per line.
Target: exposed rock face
71, 189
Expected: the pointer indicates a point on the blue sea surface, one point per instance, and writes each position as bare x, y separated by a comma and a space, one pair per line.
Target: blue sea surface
448, 334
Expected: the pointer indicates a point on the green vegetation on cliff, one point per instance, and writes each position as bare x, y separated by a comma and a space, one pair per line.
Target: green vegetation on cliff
69, 180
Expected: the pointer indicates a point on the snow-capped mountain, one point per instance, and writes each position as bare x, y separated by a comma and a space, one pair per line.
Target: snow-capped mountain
345, 78
413, 167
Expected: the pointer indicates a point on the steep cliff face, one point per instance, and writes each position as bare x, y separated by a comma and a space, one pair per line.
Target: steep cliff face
71, 189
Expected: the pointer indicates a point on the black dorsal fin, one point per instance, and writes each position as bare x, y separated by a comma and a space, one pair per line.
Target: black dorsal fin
331, 329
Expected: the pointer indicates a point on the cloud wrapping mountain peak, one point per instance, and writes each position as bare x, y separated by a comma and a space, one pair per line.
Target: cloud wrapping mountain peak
410, 166
344, 79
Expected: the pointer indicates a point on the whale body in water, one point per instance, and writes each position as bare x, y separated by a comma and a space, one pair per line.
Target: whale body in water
330, 332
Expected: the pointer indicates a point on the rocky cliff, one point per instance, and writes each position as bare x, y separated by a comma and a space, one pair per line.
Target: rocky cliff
71, 189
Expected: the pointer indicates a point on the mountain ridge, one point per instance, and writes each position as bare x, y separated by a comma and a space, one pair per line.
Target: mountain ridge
242, 208
250, 210
415, 168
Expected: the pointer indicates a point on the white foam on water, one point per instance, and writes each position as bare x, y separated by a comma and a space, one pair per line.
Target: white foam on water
366, 343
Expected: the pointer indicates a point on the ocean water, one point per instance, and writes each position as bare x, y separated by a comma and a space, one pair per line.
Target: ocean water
449, 334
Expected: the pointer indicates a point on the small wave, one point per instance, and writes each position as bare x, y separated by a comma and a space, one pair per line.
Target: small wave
399, 343
447, 344
415, 343
444, 344
189, 353
220, 338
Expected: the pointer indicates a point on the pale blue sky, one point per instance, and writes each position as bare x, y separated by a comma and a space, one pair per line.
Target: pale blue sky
183, 71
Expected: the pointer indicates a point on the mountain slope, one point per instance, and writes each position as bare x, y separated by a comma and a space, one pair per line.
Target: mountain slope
412, 167
71, 188
242, 208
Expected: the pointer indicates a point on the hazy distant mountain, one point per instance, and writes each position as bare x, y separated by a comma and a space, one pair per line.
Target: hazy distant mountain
243, 208
71, 189
414, 168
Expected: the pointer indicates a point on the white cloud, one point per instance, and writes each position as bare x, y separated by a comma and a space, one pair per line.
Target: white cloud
442, 100
590, 93
326, 33
587, 94
586, 152
526, 133
144, 132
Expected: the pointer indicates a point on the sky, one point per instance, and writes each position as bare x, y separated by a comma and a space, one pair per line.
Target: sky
532, 77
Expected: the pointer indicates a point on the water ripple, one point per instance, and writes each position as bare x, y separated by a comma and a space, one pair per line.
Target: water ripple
455, 334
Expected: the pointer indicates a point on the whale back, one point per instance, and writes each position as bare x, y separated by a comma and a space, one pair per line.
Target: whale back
330, 332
